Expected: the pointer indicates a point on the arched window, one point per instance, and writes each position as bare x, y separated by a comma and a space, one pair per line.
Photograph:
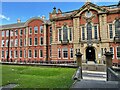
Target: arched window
89, 31
117, 28
65, 33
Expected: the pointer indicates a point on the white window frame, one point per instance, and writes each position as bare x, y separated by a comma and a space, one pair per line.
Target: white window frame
70, 53
15, 54
16, 43
97, 31
34, 53
3, 33
41, 29
6, 53
11, 43
29, 41
50, 53
6, 42
116, 53
59, 50
30, 29
61, 34
63, 53
115, 27
113, 52
22, 54
11, 54
2, 54
22, 32
7, 33
29, 53
16, 32
40, 53
82, 33
71, 34
68, 33
109, 31
35, 29
2, 43
20, 42
40, 41
11, 33
35, 41
25, 42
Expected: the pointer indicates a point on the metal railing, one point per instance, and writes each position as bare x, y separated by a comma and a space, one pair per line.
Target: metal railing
112, 75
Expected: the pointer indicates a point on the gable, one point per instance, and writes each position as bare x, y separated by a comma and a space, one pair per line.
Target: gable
89, 6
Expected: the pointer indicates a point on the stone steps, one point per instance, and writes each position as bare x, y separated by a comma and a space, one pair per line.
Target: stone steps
91, 66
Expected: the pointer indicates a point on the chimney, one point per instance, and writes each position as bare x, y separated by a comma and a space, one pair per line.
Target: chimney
43, 17
18, 20
59, 11
54, 10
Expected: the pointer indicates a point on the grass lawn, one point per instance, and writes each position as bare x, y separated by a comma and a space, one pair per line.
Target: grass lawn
37, 77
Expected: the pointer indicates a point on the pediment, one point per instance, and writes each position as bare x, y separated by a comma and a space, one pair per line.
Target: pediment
89, 6
33, 18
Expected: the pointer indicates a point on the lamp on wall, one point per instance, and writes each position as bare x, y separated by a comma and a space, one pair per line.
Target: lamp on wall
105, 49
77, 50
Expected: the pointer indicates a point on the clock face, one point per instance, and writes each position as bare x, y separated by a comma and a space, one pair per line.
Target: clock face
88, 14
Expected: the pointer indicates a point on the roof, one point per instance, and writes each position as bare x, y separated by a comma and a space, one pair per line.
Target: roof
70, 14
22, 24
15, 25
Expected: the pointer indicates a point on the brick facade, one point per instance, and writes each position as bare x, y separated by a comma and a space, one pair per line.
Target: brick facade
78, 37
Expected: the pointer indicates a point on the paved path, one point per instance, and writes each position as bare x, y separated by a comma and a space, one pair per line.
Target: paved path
8, 87
95, 84
94, 79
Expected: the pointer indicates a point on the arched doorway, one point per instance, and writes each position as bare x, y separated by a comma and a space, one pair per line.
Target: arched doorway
90, 54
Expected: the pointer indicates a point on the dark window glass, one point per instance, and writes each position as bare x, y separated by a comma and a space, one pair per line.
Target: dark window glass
65, 33
117, 28
89, 31
95, 32
110, 31
83, 33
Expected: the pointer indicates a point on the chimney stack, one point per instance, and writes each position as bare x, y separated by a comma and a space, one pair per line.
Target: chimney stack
18, 20
43, 17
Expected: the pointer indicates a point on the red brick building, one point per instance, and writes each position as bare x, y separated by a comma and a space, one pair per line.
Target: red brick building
92, 29
26, 41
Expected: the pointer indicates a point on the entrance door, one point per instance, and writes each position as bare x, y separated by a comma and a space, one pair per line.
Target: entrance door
90, 54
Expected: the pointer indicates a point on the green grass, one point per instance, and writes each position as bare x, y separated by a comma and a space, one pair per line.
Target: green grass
37, 77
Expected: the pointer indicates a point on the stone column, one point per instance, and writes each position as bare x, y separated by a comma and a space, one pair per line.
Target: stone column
54, 41
79, 61
44, 41
76, 34
108, 59
27, 42
108, 62
103, 27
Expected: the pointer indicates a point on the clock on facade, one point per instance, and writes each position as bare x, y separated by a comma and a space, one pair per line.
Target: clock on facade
88, 14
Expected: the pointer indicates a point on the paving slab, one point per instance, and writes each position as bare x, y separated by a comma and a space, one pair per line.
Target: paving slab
95, 80
95, 84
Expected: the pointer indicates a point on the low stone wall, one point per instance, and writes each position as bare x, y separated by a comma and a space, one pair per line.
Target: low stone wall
40, 64
112, 75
